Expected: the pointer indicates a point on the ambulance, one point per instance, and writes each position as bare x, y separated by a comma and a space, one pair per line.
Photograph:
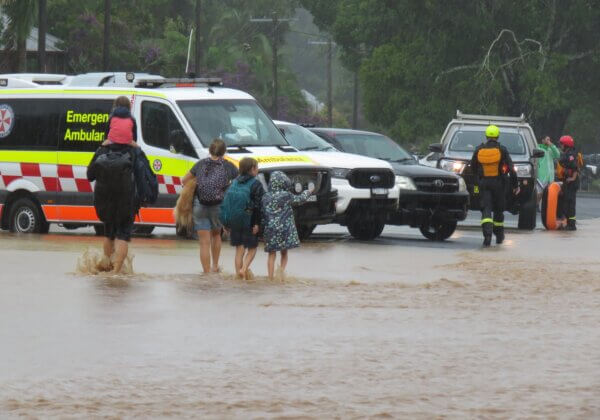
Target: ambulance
51, 125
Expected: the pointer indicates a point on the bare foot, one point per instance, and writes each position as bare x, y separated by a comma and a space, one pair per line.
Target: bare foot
240, 275
215, 270
249, 275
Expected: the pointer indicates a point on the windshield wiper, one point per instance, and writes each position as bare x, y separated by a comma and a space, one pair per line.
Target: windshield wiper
311, 148
249, 145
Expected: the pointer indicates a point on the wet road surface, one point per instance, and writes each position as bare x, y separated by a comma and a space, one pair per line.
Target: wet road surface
401, 327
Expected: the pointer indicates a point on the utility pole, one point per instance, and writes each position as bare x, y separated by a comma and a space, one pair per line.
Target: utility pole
355, 102
198, 55
329, 43
275, 62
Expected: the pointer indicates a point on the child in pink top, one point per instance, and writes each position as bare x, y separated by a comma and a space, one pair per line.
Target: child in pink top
122, 128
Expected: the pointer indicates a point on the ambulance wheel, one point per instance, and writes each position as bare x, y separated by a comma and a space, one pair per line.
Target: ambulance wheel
143, 230
304, 231
26, 217
438, 231
99, 229
366, 231
528, 214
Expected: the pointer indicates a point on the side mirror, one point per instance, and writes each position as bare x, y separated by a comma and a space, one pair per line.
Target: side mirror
435, 148
538, 153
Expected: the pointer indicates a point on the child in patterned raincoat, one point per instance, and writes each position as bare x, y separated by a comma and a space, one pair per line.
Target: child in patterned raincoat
280, 232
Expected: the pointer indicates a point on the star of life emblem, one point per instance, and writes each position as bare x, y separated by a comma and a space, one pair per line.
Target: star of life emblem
7, 120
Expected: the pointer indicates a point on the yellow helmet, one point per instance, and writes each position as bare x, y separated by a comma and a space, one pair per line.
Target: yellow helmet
492, 132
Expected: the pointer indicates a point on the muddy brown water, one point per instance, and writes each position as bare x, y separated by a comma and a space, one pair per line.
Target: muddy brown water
401, 328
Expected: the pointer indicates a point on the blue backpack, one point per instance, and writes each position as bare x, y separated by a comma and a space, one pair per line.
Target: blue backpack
236, 208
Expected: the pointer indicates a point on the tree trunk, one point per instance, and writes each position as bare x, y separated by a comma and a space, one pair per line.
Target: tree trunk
552, 124
106, 44
22, 55
42, 22
198, 55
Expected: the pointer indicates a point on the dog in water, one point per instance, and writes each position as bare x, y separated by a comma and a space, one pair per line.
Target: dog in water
185, 205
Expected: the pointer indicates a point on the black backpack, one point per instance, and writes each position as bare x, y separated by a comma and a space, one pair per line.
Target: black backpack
114, 190
146, 183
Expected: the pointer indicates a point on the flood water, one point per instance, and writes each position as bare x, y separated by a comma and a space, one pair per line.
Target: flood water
398, 328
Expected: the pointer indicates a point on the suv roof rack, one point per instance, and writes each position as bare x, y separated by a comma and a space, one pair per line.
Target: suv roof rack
179, 82
461, 116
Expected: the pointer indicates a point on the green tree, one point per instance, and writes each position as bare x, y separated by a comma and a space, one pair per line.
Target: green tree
423, 59
20, 16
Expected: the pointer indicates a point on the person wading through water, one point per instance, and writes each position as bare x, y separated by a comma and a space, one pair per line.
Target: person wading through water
113, 167
213, 175
490, 164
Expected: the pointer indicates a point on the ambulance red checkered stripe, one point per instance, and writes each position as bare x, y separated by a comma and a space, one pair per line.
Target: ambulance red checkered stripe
66, 178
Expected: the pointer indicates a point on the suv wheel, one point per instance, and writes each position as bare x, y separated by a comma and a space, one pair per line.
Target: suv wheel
304, 231
528, 214
366, 231
438, 231
26, 217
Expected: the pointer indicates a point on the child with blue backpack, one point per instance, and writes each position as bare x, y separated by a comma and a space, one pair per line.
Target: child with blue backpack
241, 215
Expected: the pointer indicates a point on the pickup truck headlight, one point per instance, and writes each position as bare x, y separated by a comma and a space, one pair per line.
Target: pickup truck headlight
405, 183
340, 173
456, 166
462, 185
523, 170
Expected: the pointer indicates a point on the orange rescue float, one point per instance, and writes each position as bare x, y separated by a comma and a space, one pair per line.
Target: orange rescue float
550, 206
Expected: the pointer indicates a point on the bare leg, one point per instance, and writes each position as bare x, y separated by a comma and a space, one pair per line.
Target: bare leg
248, 258
121, 249
271, 264
215, 246
284, 259
204, 239
239, 260
109, 247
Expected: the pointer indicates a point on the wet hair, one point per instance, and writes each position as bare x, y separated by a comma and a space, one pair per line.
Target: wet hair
217, 148
122, 101
247, 164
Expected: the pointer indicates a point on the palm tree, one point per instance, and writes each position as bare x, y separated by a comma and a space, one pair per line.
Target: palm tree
20, 16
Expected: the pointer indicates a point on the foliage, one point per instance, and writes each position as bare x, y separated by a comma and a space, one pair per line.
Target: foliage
421, 60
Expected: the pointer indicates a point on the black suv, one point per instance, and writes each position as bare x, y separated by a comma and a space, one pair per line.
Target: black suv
430, 199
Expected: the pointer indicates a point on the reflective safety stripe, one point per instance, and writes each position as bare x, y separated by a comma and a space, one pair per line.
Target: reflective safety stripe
80, 92
1, 205
572, 218
169, 166
61, 158
487, 220
476, 189
58, 213
499, 224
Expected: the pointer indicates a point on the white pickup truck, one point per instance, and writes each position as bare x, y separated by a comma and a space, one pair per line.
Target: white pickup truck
367, 191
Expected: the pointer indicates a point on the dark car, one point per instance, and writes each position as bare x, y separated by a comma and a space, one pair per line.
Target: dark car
431, 199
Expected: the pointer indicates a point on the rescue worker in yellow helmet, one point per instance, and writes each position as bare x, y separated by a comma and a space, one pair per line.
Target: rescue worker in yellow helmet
491, 165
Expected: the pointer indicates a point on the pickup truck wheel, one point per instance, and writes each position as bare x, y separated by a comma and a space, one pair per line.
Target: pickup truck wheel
528, 214
366, 231
438, 231
26, 217
304, 231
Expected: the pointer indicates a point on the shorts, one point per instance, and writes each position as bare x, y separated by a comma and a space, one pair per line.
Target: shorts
243, 237
121, 231
206, 217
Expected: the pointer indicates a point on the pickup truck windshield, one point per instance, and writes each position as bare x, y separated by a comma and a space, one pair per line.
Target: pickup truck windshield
303, 139
468, 140
373, 145
237, 122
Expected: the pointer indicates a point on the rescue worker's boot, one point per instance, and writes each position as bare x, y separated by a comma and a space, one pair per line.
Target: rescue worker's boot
571, 224
487, 233
499, 233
